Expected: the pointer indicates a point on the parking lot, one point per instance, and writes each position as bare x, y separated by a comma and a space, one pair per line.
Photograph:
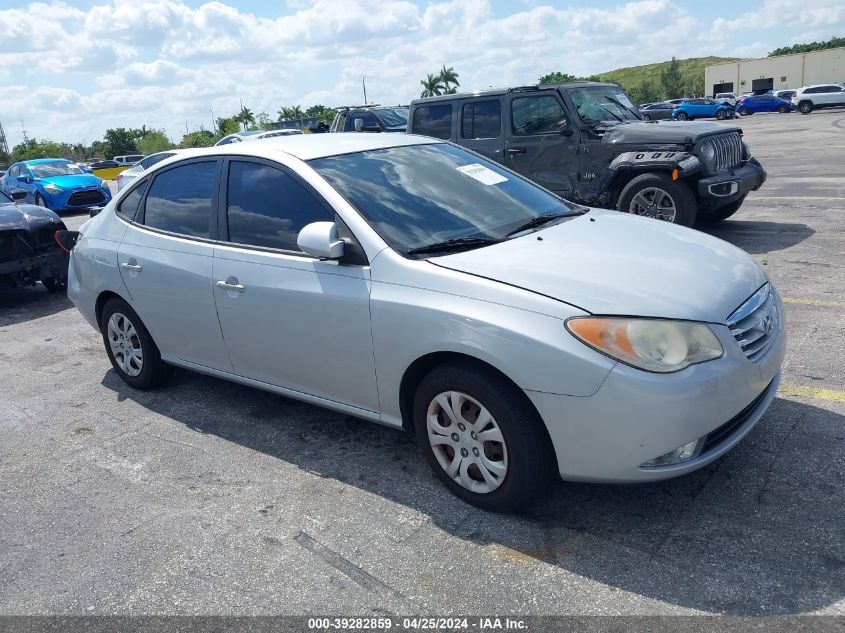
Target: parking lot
207, 497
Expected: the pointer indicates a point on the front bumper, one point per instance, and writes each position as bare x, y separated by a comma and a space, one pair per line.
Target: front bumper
637, 416
78, 198
729, 186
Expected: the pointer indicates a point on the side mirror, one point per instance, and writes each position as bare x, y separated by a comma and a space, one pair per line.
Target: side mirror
23, 179
18, 194
359, 125
319, 239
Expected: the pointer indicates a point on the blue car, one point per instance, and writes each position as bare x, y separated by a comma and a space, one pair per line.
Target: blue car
763, 103
55, 183
703, 109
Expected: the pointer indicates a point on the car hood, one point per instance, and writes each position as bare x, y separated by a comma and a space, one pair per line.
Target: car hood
71, 181
25, 217
662, 132
606, 262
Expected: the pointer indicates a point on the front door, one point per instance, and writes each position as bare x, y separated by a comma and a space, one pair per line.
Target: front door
165, 261
288, 319
538, 143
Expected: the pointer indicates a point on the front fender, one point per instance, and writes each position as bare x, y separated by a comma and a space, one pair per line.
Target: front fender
625, 166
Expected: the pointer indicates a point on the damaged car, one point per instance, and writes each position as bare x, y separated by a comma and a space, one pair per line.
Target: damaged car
29, 251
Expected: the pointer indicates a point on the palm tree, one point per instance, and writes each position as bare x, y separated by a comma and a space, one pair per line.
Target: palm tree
246, 117
449, 76
296, 112
431, 86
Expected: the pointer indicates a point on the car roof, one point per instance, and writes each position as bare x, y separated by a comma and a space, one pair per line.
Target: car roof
503, 91
310, 146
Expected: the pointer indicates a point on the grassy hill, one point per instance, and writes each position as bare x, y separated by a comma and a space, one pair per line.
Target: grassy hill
632, 78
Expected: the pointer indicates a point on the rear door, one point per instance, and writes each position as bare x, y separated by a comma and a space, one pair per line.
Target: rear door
480, 126
539, 142
165, 261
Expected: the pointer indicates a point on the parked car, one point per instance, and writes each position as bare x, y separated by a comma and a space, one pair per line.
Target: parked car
811, 98
28, 250
127, 177
762, 103
726, 97
703, 108
103, 164
657, 111
128, 160
504, 381
56, 183
586, 142
677, 102
786, 95
370, 119
255, 135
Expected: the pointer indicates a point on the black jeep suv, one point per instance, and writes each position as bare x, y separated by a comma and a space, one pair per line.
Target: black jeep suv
586, 142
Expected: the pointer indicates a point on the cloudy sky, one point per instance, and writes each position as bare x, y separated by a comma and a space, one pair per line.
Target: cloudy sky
69, 70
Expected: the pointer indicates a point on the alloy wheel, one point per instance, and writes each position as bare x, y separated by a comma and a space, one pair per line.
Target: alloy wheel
467, 441
653, 202
125, 344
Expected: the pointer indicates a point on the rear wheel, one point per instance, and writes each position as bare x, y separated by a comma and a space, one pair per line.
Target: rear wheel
744, 112
682, 116
54, 284
130, 348
481, 437
656, 195
805, 107
782, 109
722, 213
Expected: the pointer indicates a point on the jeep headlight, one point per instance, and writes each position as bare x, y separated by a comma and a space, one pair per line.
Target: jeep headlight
51, 188
707, 154
656, 345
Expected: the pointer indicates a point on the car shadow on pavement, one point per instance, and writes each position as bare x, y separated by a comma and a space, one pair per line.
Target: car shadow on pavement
757, 237
760, 531
19, 305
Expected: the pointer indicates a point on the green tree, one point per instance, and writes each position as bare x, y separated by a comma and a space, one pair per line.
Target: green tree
200, 138
153, 141
431, 86
563, 78
263, 121
246, 117
98, 149
646, 92
834, 42
36, 149
671, 80
228, 125
449, 76
121, 141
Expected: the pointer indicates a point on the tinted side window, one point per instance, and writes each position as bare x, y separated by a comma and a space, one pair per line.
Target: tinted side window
128, 207
537, 115
180, 199
481, 119
434, 120
268, 207
368, 118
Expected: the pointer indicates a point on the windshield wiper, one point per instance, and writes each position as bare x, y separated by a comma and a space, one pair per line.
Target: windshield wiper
538, 220
622, 105
454, 244
611, 112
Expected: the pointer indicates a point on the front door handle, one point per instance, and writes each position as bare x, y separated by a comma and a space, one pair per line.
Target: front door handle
231, 285
513, 151
131, 265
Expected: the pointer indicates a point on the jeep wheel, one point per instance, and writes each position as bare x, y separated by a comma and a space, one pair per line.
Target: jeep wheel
722, 213
656, 195
682, 116
782, 109
721, 114
805, 107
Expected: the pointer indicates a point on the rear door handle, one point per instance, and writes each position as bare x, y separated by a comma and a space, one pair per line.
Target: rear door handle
132, 265
231, 284
513, 151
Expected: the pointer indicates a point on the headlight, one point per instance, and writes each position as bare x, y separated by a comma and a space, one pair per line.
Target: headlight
707, 154
650, 344
51, 188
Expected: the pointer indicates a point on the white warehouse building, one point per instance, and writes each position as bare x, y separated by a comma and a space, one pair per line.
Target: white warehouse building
777, 73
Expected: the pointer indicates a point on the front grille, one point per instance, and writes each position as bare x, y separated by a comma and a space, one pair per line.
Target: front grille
723, 433
754, 324
728, 150
90, 197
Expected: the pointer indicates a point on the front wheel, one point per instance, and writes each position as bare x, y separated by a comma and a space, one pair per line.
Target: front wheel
481, 437
656, 195
39, 200
130, 348
646, 117
805, 107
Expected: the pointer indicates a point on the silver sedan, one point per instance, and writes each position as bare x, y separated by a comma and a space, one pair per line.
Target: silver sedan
410, 282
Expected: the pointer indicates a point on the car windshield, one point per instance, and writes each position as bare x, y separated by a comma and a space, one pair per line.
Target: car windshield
603, 103
420, 195
56, 168
392, 117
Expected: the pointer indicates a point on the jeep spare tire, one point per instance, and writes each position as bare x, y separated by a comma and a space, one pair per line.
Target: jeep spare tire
656, 195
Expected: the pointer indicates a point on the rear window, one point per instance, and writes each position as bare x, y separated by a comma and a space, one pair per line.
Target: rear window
433, 120
481, 119
128, 207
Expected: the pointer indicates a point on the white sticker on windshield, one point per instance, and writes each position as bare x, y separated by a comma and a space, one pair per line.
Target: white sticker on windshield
622, 98
482, 174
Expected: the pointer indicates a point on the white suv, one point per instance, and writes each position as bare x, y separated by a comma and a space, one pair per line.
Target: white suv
726, 97
811, 98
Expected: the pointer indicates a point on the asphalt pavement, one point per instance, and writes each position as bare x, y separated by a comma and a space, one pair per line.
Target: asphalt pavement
207, 497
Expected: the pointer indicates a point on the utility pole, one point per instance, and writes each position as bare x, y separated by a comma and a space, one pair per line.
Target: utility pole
213, 124
364, 83
23, 132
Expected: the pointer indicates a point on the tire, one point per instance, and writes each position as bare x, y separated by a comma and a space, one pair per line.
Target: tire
722, 213
681, 198
646, 117
524, 458
682, 116
151, 371
721, 115
39, 201
744, 112
782, 109
805, 107
54, 284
